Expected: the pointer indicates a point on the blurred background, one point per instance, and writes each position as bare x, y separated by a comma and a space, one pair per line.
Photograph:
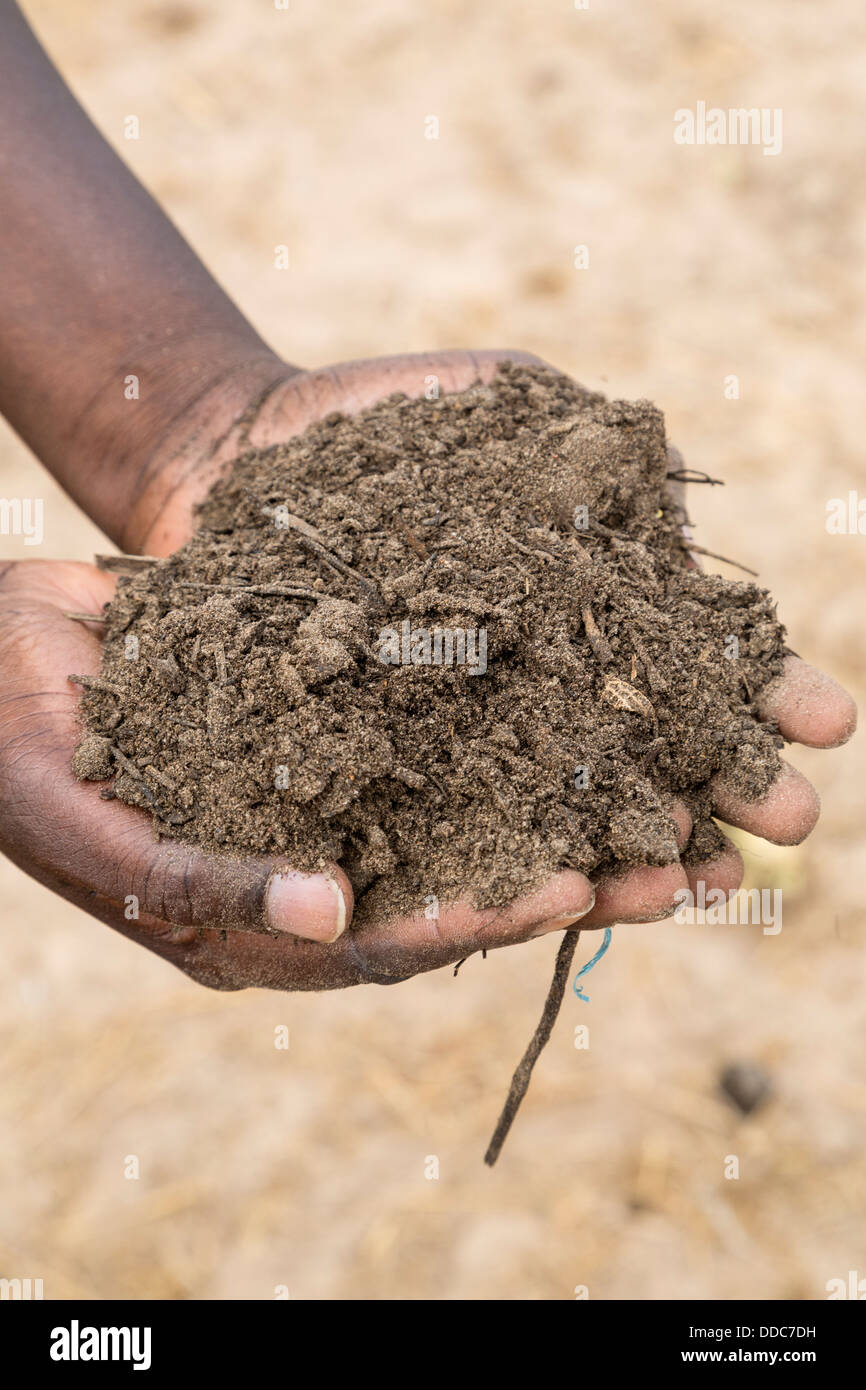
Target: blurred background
306, 1168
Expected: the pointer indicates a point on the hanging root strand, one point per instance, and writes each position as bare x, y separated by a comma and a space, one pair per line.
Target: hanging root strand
520, 1079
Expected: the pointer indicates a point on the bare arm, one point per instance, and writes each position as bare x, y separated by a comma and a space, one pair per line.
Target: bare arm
97, 284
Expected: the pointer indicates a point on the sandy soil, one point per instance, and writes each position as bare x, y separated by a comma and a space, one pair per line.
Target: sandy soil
305, 1168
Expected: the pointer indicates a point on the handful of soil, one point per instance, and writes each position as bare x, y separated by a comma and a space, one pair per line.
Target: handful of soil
454, 645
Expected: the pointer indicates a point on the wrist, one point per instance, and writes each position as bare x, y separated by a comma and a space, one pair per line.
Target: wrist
160, 463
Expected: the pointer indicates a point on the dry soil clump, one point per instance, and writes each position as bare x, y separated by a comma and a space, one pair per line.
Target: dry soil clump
453, 645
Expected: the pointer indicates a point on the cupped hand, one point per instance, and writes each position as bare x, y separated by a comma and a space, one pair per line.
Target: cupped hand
234, 923
227, 922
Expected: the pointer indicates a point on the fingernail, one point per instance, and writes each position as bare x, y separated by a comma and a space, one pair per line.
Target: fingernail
308, 905
561, 923
648, 916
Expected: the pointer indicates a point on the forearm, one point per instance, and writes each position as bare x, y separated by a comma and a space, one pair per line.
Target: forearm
97, 286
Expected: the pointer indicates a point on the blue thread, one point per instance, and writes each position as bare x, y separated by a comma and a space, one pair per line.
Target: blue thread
590, 963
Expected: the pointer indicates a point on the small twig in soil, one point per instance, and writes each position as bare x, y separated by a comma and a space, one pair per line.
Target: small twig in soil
538, 551
294, 523
85, 617
518, 545
170, 817
125, 564
437, 784
312, 540
563, 426
464, 960
520, 1079
694, 475
218, 652
94, 683
271, 590
124, 763
409, 777
699, 550
160, 777
339, 565
582, 552
132, 771
603, 530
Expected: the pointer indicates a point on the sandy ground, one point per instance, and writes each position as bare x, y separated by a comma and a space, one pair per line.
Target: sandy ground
308, 1169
